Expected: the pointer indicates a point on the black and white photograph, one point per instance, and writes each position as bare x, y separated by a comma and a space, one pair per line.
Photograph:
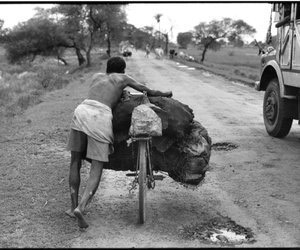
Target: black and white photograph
149, 124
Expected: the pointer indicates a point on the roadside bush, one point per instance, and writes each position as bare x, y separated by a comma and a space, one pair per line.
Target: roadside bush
240, 73
21, 89
243, 74
51, 80
21, 85
26, 100
237, 71
5, 96
12, 109
16, 94
50, 75
105, 56
17, 68
231, 53
253, 77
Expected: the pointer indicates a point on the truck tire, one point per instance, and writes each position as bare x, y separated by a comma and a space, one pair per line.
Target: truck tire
274, 111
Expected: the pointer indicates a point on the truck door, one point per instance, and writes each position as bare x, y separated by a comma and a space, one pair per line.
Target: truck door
285, 38
289, 56
296, 39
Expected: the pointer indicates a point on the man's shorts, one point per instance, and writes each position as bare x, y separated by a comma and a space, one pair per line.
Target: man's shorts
89, 147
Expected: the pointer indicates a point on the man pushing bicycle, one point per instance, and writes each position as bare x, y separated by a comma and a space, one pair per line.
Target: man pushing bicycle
91, 134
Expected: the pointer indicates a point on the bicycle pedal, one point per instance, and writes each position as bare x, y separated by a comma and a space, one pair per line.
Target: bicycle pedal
131, 174
158, 177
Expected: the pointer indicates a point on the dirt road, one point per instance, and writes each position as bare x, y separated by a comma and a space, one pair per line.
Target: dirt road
252, 186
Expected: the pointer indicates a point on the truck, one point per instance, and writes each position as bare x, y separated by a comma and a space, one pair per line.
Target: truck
280, 72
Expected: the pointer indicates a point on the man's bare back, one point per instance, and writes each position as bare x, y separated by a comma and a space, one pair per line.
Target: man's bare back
105, 89
108, 88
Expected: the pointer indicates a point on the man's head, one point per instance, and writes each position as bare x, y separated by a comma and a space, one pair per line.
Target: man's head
115, 64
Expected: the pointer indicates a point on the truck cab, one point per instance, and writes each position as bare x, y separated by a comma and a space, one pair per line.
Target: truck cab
280, 72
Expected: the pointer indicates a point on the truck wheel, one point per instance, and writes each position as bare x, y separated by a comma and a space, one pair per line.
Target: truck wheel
274, 111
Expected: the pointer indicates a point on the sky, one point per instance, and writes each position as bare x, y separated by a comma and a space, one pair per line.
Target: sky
176, 17
185, 16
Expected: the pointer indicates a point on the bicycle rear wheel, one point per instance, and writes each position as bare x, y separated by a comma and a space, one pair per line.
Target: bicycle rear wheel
142, 161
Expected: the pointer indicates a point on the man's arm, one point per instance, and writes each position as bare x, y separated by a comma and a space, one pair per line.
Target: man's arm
140, 87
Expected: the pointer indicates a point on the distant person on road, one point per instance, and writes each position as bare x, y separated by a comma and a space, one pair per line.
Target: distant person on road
91, 135
159, 52
147, 50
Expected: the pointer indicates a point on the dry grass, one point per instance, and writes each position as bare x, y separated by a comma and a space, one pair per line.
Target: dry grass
241, 62
21, 88
23, 85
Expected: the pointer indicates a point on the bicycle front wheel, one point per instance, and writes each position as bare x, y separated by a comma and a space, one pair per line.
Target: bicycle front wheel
142, 180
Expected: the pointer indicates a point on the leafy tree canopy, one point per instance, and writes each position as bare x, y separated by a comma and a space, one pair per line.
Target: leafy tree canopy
208, 34
184, 38
36, 36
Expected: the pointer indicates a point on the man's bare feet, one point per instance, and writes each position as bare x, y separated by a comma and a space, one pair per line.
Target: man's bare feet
81, 221
70, 213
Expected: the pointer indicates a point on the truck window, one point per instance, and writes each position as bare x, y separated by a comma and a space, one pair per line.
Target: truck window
285, 17
298, 12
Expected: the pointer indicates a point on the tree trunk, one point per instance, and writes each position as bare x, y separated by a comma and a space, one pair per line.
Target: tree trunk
88, 58
153, 44
203, 53
206, 46
81, 59
59, 52
108, 44
167, 44
88, 52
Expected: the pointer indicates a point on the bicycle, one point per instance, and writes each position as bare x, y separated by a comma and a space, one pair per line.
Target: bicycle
144, 171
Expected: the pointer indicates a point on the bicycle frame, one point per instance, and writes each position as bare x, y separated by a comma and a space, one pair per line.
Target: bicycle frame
144, 172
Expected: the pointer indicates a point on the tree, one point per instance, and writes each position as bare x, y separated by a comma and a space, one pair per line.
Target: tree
140, 37
157, 18
72, 19
88, 24
1, 24
109, 20
76, 26
184, 38
238, 42
208, 34
37, 36
239, 28
147, 29
3, 32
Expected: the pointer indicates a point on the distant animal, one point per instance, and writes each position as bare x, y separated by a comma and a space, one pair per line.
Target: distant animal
159, 52
190, 58
147, 50
172, 53
181, 55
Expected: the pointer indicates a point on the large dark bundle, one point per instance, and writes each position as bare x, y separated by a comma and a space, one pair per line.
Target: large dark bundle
176, 117
183, 151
